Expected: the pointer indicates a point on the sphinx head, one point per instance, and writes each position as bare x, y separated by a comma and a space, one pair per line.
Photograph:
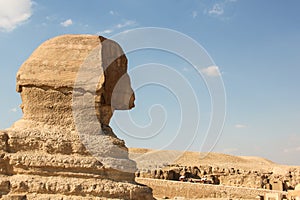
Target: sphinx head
49, 78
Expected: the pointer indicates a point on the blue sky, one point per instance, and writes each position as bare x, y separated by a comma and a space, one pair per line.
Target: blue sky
254, 43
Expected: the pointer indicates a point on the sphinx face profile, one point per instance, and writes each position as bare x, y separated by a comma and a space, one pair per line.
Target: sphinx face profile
47, 79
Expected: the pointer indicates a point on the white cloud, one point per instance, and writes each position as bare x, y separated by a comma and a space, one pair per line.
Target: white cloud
14, 13
107, 31
125, 24
240, 126
216, 10
212, 71
67, 23
194, 14
13, 110
111, 12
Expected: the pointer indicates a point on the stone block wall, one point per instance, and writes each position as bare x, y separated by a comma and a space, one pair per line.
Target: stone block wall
227, 176
171, 189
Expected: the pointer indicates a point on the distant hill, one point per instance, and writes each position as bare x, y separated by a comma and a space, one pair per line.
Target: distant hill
149, 159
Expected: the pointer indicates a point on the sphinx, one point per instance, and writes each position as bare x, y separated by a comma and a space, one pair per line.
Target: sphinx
63, 147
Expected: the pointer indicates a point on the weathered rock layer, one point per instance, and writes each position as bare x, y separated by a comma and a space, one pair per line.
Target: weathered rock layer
43, 155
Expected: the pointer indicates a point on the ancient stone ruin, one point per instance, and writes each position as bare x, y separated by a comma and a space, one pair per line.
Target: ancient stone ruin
226, 176
63, 147
211, 182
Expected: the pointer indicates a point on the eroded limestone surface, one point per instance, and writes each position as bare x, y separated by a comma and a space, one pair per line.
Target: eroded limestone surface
43, 155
